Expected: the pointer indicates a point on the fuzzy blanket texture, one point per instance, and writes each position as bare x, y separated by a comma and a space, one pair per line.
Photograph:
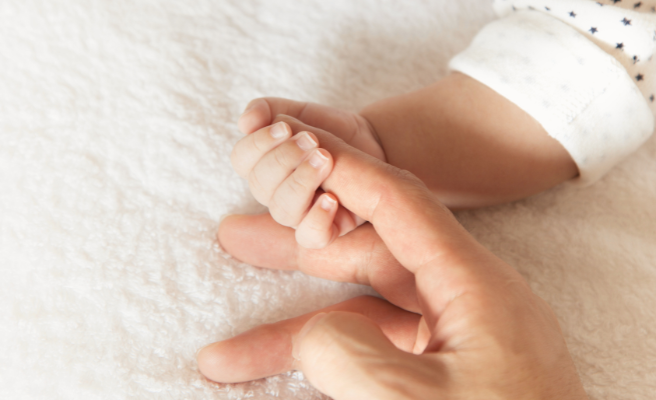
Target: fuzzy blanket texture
116, 122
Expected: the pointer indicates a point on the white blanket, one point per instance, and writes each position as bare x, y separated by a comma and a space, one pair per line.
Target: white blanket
116, 121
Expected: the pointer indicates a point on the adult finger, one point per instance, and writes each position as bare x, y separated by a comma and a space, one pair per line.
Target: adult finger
376, 190
473, 304
360, 257
427, 239
267, 349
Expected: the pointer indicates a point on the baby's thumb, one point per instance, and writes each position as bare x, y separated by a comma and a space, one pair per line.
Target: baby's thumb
347, 356
325, 222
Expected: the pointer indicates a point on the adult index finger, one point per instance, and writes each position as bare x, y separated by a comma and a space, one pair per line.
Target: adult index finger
420, 232
360, 257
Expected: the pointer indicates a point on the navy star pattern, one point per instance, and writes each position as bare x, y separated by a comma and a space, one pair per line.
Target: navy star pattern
602, 50
623, 46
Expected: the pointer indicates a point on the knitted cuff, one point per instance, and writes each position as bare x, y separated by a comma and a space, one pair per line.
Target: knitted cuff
582, 96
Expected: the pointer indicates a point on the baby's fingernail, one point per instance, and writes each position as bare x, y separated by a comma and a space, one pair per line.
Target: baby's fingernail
318, 160
305, 142
328, 203
279, 130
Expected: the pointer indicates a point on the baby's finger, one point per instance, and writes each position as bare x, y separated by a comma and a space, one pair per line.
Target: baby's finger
346, 221
249, 150
317, 229
260, 112
294, 196
276, 165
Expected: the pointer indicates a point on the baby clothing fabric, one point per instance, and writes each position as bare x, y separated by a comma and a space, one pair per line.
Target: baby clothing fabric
583, 69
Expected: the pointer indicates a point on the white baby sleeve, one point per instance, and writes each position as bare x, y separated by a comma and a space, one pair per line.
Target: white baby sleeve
581, 95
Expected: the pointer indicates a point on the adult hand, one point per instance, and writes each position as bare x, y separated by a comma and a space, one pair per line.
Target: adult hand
483, 333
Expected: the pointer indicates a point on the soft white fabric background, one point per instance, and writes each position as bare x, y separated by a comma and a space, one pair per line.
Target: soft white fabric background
116, 121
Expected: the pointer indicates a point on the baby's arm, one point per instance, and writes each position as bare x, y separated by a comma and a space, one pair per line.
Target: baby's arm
544, 94
480, 137
471, 146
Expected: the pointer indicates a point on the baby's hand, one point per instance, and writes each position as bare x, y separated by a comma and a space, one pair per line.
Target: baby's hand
284, 173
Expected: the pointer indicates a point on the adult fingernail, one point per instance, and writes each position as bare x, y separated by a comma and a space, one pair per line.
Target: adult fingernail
305, 142
279, 130
318, 160
296, 350
328, 203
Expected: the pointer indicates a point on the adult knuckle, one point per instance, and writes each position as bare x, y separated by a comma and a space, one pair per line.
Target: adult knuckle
403, 185
398, 188
405, 177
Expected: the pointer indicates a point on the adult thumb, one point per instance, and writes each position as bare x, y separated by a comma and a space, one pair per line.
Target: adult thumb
346, 356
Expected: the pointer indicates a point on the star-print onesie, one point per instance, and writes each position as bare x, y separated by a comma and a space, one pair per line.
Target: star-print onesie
583, 69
